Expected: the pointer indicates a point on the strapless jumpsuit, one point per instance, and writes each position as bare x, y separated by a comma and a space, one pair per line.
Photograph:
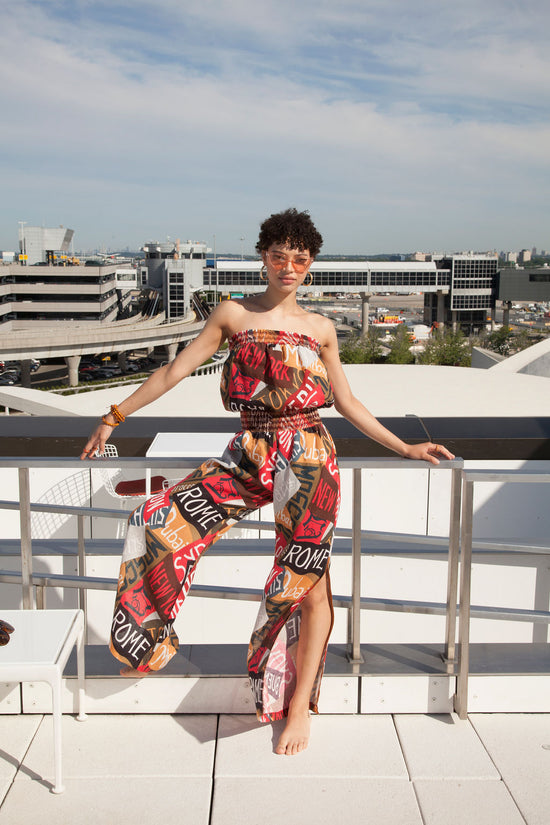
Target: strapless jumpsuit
283, 454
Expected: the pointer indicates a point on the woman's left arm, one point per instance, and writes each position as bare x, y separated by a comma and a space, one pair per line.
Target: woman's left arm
351, 408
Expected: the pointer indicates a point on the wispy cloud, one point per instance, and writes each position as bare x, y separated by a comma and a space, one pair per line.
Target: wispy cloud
398, 125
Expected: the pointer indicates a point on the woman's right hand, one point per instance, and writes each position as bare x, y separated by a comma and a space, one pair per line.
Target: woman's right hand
96, 442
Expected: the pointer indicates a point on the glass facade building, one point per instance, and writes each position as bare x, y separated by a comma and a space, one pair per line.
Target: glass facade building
465, 283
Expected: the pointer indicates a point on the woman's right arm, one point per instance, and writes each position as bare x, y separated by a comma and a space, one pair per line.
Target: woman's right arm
165, 378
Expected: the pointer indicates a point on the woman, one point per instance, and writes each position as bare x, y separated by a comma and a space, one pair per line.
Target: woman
283, 366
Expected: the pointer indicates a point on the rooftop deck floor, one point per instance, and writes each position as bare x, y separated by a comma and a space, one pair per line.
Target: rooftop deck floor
402, 769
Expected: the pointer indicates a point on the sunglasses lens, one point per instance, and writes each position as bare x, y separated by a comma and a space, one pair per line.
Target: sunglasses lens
279, 261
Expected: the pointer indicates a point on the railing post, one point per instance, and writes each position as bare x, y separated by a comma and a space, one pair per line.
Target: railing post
461, 699
452, 568
82, 593
26, 541
355, 619
40, 597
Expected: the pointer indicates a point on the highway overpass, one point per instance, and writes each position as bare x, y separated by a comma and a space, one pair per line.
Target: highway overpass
71, 341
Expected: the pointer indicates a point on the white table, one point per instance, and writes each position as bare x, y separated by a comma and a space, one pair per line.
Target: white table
210, 445
37, 652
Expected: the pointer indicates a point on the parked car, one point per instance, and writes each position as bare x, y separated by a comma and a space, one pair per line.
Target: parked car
7, 379
103, 372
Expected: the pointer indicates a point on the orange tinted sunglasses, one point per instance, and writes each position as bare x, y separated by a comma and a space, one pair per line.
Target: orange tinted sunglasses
280, 261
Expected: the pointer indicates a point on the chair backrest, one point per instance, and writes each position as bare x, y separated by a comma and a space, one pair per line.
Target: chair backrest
117, 487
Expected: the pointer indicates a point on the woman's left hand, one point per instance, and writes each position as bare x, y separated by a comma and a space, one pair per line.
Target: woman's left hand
428, 452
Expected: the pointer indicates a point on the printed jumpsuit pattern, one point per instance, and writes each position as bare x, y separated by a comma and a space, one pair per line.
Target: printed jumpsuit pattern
283, 454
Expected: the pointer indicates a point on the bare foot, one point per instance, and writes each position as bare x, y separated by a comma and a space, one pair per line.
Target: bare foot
295, 737
132, 673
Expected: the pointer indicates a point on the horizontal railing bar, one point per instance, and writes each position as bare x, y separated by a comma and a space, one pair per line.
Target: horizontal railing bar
67, 509
513, 476
142, 462
61, 580
480, 546
435, 608
252, 594
508, 546
513, 614
212, 591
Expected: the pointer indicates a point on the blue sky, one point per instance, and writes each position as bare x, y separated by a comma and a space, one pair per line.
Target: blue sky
401, 125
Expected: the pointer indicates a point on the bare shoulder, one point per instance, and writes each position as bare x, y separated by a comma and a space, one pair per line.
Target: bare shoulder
322, 329
228, 316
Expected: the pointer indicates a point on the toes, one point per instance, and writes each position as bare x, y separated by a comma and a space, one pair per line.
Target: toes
291, 748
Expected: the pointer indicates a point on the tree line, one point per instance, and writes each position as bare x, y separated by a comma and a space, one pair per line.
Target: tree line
448, 347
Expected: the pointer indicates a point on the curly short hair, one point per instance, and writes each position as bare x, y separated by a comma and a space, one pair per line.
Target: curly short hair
293, 228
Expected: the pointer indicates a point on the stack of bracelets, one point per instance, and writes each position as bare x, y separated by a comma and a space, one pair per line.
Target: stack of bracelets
117, 415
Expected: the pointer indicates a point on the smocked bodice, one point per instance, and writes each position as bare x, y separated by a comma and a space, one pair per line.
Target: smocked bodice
280, 373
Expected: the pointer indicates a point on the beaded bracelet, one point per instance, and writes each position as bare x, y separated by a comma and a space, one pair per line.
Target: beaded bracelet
117, 415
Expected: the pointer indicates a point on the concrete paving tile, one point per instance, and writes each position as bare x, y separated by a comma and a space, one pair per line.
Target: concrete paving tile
323, 801
137, 746
466, 801
98, 800
16, 733
443, 747
519, 745
343, 745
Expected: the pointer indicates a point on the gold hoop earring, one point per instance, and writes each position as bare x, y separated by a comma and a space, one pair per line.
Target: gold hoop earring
310, 278
263, 273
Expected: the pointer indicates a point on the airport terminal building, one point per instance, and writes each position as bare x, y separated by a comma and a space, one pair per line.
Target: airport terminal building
457, 289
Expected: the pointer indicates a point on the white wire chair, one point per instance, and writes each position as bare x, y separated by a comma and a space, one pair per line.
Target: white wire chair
123, 489
120, 488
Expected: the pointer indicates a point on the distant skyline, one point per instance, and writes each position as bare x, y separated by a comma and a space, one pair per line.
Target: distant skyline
400, 126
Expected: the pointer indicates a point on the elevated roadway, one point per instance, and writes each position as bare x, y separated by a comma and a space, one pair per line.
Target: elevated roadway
71, 342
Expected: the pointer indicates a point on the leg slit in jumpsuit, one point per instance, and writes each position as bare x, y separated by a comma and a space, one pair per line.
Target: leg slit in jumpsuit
283, 454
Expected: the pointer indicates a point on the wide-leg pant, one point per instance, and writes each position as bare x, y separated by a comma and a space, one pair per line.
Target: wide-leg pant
297, 470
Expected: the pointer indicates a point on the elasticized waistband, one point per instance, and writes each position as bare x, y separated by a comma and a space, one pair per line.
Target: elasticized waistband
268, 422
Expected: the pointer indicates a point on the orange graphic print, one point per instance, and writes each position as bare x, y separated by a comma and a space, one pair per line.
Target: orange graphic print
284, 455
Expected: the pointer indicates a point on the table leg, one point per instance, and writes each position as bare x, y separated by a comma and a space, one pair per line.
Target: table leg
81, 676
57, 742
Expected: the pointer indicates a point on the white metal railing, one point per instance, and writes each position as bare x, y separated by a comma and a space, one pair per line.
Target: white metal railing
458, 543
469, 478
354, 602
